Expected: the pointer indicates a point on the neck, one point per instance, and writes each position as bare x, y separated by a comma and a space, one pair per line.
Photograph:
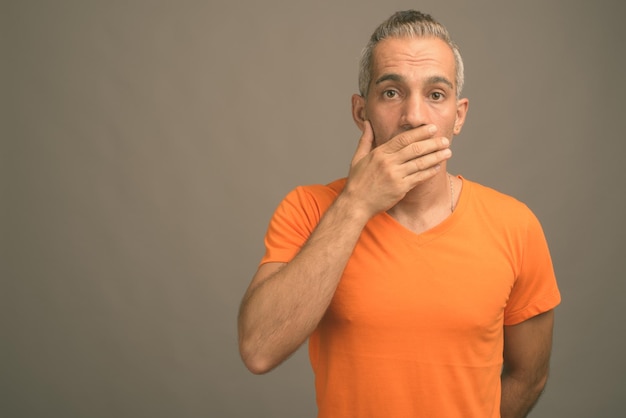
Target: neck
428, 204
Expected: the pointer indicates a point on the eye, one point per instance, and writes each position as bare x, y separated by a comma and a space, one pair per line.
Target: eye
390, 94
437, 96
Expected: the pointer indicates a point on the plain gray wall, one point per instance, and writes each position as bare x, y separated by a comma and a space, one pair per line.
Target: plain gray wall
146, 145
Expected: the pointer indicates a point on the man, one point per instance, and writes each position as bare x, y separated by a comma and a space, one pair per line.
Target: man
422, 294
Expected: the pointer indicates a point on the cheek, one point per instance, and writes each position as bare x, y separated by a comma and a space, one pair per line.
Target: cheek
445, 120
383, 127
381, 135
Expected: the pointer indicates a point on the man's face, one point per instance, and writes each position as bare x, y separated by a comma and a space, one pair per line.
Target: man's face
412, 84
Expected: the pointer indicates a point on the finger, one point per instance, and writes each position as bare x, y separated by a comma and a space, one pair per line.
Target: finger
366, 143
419, 176
426, 163
421, 148
406, 138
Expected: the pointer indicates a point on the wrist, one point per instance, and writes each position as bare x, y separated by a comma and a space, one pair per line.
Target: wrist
352, 207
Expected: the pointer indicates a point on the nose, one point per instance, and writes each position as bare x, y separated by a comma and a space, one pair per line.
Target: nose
414, 113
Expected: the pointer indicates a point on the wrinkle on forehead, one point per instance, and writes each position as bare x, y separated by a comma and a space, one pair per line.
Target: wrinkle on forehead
392, 53
435, 79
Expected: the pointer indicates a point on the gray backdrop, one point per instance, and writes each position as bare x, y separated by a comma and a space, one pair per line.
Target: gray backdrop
146, 144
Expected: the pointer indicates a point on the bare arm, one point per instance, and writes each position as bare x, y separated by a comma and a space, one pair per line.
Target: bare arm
527, 348
285, 302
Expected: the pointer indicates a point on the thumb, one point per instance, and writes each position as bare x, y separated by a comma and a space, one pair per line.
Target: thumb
366, 143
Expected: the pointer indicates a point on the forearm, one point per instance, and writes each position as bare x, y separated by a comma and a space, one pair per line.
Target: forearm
519, 395
279, 313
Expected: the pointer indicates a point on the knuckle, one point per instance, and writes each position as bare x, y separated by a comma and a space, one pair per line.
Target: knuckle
417, 148
404, 139
419, 164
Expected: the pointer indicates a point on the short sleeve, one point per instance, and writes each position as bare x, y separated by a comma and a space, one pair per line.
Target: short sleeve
535, 289
293, 222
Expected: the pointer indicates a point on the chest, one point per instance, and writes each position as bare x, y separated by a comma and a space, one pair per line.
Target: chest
448, 289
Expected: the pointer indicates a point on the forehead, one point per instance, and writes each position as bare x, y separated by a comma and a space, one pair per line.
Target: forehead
418, 56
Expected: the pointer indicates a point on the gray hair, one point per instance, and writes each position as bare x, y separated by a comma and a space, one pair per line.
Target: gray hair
409, 24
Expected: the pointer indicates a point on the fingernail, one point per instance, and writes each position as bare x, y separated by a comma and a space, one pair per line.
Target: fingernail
432, 129
445, 141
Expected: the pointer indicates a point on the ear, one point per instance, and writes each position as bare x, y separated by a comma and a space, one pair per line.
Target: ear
462, 105
358, 111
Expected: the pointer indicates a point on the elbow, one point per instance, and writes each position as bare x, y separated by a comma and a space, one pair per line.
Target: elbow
251, 351
253, 359
257, 366
537, 383
540, 384
527, 386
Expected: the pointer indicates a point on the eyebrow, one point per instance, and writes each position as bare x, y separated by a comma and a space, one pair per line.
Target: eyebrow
398, 78
389, 77
438, 79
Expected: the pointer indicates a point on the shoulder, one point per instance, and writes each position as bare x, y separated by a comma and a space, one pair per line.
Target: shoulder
313, 198
324, 191
494, 201
499, 209
321, 194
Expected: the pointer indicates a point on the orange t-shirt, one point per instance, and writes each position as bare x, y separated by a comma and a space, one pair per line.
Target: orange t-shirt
415, 328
